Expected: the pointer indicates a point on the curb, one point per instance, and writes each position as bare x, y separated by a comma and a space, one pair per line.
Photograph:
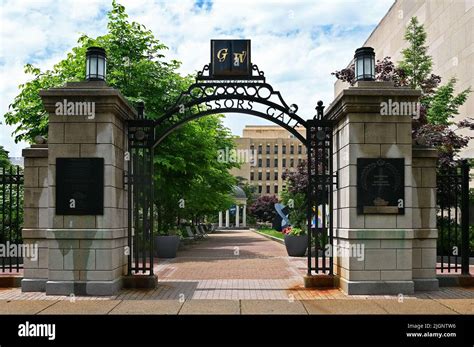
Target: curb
268, 236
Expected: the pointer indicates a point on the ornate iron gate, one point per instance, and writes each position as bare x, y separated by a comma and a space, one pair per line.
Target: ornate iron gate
139, 181
453, 249
11, 219
246, 94
321, 182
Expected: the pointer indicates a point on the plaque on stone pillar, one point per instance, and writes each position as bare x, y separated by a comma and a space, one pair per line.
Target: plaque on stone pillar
80, 186
380, 185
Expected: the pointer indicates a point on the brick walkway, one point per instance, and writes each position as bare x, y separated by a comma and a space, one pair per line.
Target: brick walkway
235, 265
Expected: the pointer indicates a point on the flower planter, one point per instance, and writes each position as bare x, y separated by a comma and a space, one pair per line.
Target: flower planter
166, 246
296, 246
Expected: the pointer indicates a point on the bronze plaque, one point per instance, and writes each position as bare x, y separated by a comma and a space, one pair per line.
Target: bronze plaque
80, 186
380, 186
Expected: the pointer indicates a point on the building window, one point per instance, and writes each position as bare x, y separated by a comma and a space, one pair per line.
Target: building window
275, 177
260, 189
268, 189
275, 149
300, 149
283, 162
268, 162
267, 149
260, 163
252, 176
275, 162
259, 149
283, 149
292, 149
259, 176
299, 161
252, 148
268, 175
292, 162
276, 189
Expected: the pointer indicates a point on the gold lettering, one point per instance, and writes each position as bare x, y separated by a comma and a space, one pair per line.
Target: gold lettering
222, 54
240, 57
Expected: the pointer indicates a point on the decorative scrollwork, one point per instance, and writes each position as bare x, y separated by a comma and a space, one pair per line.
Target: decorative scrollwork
260, 73
200, 74
258, 76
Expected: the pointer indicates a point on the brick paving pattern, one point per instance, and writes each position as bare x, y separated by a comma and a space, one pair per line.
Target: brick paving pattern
234, 265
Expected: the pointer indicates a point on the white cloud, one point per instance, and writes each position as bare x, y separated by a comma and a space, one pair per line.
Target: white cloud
297, 43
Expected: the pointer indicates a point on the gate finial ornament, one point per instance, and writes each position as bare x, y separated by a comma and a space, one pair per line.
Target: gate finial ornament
319, 110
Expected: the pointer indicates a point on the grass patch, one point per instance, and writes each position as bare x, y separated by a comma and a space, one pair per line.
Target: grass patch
271, 232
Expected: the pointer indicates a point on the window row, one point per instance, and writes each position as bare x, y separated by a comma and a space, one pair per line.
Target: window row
275, 162
275, 149
268, 189
260, 175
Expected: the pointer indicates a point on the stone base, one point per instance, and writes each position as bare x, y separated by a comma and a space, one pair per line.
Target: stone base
376, 287
83, 288
456, 281
33, 285
426, 284
140, 281
319, 281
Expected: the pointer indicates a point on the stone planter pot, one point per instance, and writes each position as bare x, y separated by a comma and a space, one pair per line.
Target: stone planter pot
166, 246
296, 246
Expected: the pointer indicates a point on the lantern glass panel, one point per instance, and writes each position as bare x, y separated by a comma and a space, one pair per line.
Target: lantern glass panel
367, 66
93, 70
359, 68
100, 72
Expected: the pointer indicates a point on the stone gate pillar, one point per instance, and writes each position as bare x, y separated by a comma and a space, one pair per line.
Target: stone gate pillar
362, 131
87, 252
425, 162
35, 224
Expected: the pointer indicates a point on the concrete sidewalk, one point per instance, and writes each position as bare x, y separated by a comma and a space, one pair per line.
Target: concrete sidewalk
303, 307
236, 272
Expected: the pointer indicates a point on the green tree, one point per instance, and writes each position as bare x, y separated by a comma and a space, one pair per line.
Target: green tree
416, 62
5, 163
444, 105
185, 162
439, 104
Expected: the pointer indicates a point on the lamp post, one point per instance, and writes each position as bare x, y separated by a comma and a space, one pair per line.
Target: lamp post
364, 61
96, 64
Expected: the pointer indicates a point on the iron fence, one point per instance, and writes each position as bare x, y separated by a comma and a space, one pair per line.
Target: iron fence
11, 219
453, 248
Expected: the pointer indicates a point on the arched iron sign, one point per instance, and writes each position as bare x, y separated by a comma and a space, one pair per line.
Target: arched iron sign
230, 84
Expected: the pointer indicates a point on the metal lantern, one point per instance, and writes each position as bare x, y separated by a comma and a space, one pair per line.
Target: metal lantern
96, 64
364, 59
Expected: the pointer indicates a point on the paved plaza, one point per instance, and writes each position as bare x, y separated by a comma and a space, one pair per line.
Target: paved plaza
236, 272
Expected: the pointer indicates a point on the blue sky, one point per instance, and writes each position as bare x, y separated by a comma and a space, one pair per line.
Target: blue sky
297, 43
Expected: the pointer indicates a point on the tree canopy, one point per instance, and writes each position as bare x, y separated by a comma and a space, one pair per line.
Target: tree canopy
439, 103
185, 163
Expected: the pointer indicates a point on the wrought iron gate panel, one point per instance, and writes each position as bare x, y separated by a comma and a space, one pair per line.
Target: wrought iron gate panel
139, 181
252, 96
453, 249
11, 219
320, 200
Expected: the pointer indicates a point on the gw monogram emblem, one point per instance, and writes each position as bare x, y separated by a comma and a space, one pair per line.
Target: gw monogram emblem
230, 58
239, 58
